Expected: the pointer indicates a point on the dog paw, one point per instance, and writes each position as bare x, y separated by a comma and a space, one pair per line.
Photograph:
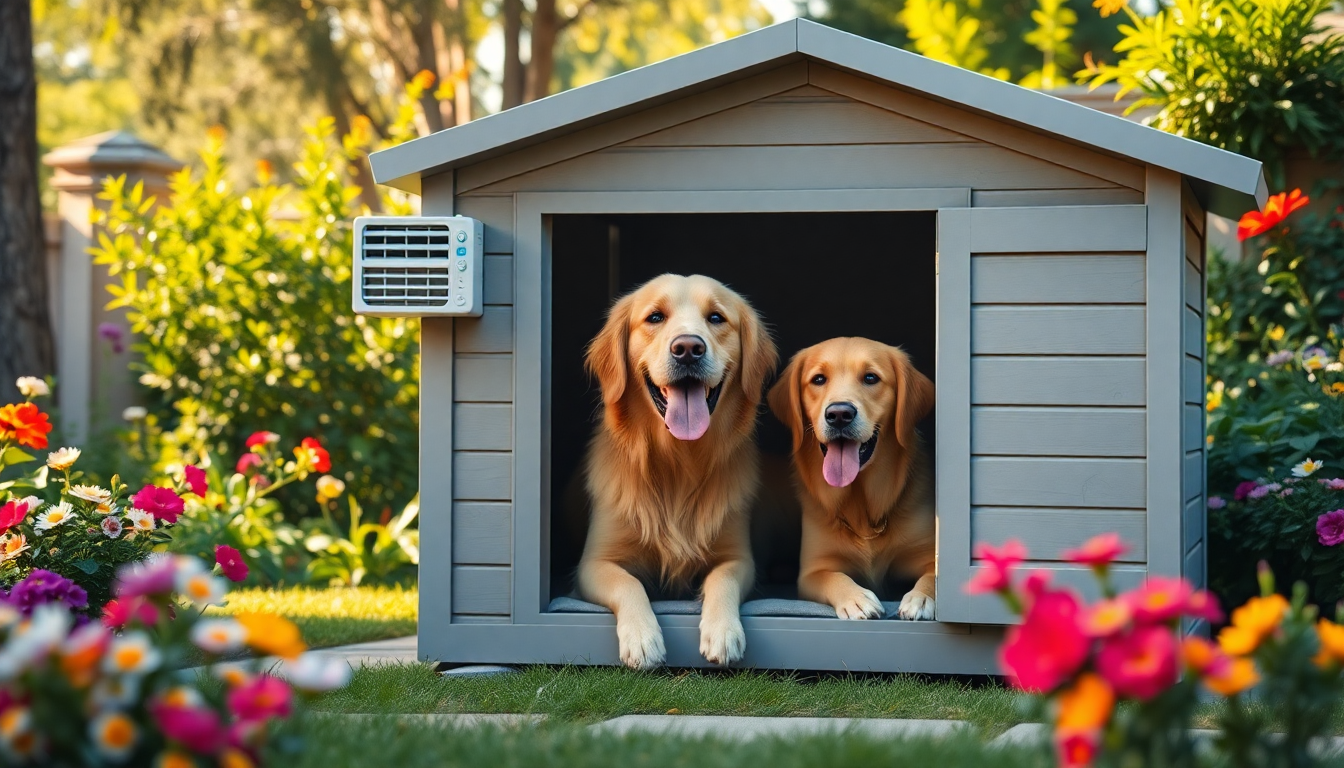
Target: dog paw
722, 641
916, 606
641, 644
859, 604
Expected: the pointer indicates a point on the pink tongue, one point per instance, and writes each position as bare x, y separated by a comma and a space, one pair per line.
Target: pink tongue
841, 464
687, 411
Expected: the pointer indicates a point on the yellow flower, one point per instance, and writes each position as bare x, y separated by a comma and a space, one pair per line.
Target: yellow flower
1086, 705
63, 459
174, 760
265, 171
92, 493
12, 545
271, 634
1331, 636
1215, 396
217, 134
1235, 677
1276, 333
423, 79
1251, 623
329, 488
113, 735
1109, 7
235, 758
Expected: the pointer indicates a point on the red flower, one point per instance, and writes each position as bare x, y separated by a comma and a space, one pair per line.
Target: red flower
263, 697
995, 575
1048, 646
12, 514
1098, 551
1077, 748
163, 503
196, 728
311, 454
231, 562
1204, 605
1140, 664
195, 479
261, 438
25, 424
246, 462
1277, 208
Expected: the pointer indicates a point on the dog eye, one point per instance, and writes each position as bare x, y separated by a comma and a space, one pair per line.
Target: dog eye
656, 317
819, 379
716, 318
870, 378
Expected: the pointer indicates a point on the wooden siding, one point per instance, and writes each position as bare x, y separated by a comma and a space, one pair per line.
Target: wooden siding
1193, 470
1048, 532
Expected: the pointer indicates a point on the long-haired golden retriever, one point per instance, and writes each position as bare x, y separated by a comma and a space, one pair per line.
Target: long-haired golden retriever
865, 486
673, 466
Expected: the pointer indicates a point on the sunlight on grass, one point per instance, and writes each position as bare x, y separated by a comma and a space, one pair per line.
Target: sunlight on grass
330, 617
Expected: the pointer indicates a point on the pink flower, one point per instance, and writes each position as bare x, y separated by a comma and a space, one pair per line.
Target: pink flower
996, 573
1261, 491
1244, 489
163, 503
261, 438
1203, 605
231, 562
263, 697
118, 613
1217, 502
247, 461
1140, 664
1098, 551
1330, 528
1334, 484
195, 479
196, 728
1285, 492
1048, 646
12, 514
1160, 599
151, 576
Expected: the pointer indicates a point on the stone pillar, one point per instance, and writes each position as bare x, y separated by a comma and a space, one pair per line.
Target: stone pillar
93, 379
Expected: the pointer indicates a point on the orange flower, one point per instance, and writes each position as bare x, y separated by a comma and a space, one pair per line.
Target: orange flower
265, 171
423, 79
272, 634
1109, 7
1236, 676
1251, 623
1086, 705
1331, 636
1107, 617
1201, 656
217, 134
25, 423
1277, 208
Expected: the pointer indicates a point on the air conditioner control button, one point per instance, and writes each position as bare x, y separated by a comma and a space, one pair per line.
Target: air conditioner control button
461, 236
461, 300
462, 266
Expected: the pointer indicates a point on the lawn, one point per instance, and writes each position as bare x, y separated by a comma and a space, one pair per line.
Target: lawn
335, 616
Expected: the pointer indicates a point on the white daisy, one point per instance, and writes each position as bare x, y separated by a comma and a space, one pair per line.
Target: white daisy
140, 520
115, 692
31, 386
114, 735
111, 527
1307, 467
12, 545
62, 459
134, 413
201, 587
33, 640
132, 654
218, 635
91, 493
316, 672
55, 515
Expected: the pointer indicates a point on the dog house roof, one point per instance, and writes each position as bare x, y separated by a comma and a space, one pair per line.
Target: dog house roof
1226, 183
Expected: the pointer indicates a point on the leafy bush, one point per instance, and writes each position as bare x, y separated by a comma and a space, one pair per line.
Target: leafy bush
381, 553
241, 304
1259, 77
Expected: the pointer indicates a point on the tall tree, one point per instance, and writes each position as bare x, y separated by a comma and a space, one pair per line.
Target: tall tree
25, 322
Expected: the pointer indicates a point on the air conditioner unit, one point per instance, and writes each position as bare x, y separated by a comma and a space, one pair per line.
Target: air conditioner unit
417, 266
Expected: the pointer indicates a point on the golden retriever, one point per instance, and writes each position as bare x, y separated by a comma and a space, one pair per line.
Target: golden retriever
865, 486
673, 467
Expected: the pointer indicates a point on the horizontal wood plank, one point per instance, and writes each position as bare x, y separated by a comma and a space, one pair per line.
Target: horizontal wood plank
1192, 379
799, 121
497, 274
482, 533
1081, 330
1193, 428
467, 618
1194, 334
1192, 474
482, 476
1061, 229
1121, 432
1058, 381
482, 590
483, 378
1019, 198
491, 332
1039, 482
1046, 533
482, 427
496, 216
632, 169
1193, 522
1058, 279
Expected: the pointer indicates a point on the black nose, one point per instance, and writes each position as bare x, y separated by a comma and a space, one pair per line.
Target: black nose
687, 348
840, 414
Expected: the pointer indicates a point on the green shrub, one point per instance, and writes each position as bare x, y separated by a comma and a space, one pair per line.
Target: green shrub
241, 303
1259, 77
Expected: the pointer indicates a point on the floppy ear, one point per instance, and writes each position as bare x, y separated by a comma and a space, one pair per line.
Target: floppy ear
785, 402
606, 357
914, 398
759, 356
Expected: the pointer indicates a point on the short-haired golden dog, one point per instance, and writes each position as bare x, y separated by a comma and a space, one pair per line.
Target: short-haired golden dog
673, 468
865, 486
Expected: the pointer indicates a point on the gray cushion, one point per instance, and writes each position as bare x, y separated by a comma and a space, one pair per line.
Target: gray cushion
773, 606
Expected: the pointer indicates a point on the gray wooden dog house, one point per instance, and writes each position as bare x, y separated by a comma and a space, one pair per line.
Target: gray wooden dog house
1056, 266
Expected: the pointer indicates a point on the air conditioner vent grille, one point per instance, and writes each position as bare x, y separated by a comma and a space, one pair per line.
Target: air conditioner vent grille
407, 241
406, 286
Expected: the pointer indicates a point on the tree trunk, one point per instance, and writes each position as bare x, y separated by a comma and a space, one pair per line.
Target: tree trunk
426, 58
514, 75
545, 28
459, 63
25, 322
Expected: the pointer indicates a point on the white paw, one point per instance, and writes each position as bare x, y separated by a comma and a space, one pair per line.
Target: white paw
916, 606
641, 643
859, 604
722, 641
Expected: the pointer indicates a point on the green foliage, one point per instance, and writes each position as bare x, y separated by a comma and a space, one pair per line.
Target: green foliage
1054, 28
379, 552
943, 31
1259, 77
241, 302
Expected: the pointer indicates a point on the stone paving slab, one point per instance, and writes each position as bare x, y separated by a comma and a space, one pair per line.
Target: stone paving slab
747, 728
447, 720
399, 649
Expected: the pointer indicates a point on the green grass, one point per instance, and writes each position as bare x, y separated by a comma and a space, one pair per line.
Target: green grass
334, 742
590, 694
330, 617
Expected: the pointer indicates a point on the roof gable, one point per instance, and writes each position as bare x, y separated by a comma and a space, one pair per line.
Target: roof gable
1227, 182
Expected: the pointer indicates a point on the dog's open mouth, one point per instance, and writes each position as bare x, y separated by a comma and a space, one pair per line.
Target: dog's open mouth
685, 405
843, 458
